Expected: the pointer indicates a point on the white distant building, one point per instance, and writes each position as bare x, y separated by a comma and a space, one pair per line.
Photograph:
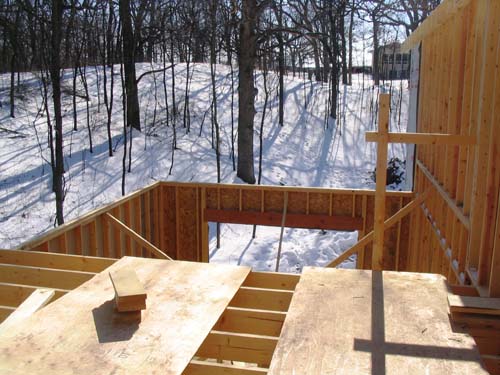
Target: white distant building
392, 63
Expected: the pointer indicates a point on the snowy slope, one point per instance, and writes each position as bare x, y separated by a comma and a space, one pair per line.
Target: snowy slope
301, 153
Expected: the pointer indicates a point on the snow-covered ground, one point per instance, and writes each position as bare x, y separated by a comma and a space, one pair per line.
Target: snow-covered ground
301, 153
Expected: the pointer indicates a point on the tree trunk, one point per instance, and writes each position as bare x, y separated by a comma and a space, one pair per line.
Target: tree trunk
344, 44
55, 67
246, 91
281, 63
376, 78
351, 26
128, 46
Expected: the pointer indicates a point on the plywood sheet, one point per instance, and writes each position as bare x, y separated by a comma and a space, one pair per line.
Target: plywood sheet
359, 322
76, 334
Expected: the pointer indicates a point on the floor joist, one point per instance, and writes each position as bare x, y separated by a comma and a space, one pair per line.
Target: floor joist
272, 280
259, 322
238, 347
43, 277
262, 299
211, 368
52, 260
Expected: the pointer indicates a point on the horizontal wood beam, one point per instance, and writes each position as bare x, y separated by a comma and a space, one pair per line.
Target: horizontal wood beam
14, 294
262, 299
38, 299
196, 367
387, 224
424, 138
272, 280
282, 189
257, 322
53, 260
43, 277
137, 238
444, 12
238, 347
458, 211
274, 219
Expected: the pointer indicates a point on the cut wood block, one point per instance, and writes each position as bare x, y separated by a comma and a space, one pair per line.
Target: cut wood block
129, 292
127, 317
478, 305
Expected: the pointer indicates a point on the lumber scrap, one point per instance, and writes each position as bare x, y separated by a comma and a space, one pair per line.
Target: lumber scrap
129, 292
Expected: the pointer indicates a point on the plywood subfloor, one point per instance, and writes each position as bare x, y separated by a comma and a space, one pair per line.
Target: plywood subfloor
364, 322
77, 334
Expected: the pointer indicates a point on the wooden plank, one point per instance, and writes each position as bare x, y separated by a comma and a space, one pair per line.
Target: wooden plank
196, 367
424, 138
43, 277
253, 321
381, 177
131, 234
480, 305
272, 280
52, 260
292, 220
262, 299
185, 300
14, 294
371, 322
129, 292
240, 347
38, 299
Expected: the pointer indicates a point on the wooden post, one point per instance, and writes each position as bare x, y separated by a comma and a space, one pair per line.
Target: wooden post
381, 175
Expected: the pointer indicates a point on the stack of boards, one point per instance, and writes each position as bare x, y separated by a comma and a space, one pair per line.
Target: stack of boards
130, 296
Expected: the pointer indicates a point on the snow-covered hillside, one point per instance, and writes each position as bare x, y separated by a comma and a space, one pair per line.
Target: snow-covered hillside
301, 153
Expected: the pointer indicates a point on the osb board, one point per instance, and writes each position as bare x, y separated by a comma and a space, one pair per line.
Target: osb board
319, 203
187, 242
273, 200
297, 203
251, 200
76, 334
169, 230
212, 198
342, 204
364, 322
229, 199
